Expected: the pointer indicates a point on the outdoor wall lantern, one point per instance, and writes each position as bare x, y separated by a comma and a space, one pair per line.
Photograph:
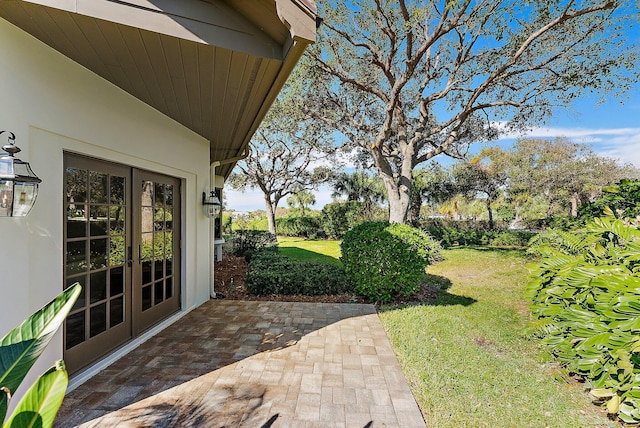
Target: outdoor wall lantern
211, 204
18, 183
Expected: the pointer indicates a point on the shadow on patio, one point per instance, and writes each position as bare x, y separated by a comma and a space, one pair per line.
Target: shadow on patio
233, 363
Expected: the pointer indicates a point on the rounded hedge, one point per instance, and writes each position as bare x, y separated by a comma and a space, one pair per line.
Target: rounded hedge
385, 260
272, 273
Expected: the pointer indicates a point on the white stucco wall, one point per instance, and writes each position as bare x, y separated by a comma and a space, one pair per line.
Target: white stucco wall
52, 104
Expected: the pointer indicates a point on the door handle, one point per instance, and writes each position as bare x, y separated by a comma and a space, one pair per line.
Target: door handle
129, 256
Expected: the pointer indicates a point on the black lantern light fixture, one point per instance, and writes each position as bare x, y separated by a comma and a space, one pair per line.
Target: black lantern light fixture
211, 203
18, 183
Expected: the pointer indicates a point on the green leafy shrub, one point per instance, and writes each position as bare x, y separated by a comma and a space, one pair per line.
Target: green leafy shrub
246, 242
227, 225
304, 227
272, 273
563, 222
449, 237
257, 224
451, 234
387, 260
585, 293
339, 217
511, 238
623, 198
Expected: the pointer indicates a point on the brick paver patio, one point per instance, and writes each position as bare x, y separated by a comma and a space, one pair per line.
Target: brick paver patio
254, 364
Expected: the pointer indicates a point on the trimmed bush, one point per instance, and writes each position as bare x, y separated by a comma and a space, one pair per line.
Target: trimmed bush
585, 293
272, 273
339, 217
450, 234
304, 227
385, 260
511, 238
246, 242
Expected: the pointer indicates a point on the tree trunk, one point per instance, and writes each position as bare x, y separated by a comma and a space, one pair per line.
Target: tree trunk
398, 201
398, 185
518, 216
414, 210
271, 215
490, 214
575, 199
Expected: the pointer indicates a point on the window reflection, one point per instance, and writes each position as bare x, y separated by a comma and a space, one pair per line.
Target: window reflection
98, 187
95, 251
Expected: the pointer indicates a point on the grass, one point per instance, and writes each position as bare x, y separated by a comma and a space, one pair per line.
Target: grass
325, 251
467, 357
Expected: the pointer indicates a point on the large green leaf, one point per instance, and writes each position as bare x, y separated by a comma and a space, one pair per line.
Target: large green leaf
39, 406
22, 346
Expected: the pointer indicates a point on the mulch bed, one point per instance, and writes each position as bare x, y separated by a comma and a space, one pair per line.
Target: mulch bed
231, 273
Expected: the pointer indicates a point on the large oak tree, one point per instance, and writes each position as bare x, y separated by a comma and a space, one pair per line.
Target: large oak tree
406, 81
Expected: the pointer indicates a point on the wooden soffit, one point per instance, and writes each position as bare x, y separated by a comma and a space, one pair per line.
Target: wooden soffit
214, 66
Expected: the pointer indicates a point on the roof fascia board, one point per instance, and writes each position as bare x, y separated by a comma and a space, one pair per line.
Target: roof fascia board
192, 20
300, 20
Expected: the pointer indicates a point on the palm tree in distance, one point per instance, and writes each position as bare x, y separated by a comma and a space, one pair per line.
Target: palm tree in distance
302, 199
360, 187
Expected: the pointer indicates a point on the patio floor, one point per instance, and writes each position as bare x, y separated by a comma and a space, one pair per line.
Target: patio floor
253, 364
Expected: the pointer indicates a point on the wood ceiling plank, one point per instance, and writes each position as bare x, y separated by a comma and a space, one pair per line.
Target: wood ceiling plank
237, 68
20, 14
191, 69
121, 42
134, 83
248, 78
155, 49
92, 32
173, 55
141, 59
265, 74
206, 76
222, 62
54, 33
88, 56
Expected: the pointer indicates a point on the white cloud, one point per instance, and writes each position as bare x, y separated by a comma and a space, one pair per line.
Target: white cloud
618, 143
625, 148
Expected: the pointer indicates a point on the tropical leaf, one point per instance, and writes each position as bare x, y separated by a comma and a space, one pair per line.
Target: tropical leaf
613, 405
602, 393
40, 405
22, 346
585, 292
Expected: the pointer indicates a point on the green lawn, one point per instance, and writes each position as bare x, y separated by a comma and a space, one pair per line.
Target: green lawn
467, 357
325, 251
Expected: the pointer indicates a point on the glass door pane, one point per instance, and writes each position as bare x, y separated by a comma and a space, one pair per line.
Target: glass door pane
158, 245
96, 237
